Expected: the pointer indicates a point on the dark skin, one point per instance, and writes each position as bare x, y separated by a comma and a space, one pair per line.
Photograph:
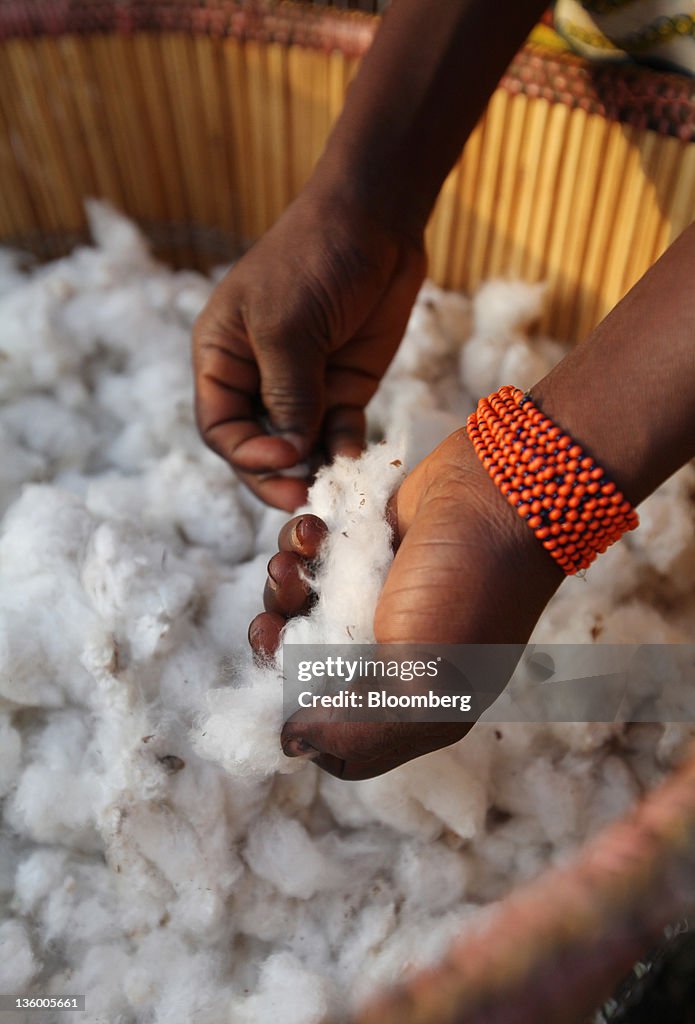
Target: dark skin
305, 325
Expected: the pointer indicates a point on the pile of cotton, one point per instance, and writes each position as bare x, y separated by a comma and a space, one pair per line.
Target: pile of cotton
158, 852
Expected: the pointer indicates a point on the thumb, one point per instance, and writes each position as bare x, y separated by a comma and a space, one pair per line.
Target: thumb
292, 391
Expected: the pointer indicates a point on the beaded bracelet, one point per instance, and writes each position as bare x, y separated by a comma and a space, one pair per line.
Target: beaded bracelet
567, 500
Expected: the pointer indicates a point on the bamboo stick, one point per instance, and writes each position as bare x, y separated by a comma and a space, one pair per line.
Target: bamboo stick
300, 119
484, 214
512, 183
547, 191
631, 211
157, 103
59, 92
465, 221
18, 217
277, 131
237, 133
680, 211
206, 54
660, 170
611, 179
35, 141
530, 160
115, 124
89, 108
562, 228
254, 144
337, 84
189, 124
441, 228
322, 113
580, 199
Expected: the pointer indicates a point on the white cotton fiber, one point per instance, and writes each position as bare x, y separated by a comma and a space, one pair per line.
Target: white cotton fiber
351, 499
17, 962
302, 871
158, 851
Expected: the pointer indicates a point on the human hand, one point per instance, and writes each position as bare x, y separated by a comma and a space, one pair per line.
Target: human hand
467, 570
295, 339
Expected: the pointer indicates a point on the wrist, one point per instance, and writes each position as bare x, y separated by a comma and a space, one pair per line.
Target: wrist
344, 189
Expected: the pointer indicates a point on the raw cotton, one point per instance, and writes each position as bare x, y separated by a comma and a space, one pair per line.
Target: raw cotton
158, 852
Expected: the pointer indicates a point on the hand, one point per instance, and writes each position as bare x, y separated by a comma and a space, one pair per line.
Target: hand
295, 339
467, 570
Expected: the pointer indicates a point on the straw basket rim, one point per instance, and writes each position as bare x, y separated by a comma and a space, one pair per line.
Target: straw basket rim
639, 96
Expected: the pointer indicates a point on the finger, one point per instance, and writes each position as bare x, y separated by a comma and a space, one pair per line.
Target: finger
344, 431
292, 389
286, 592
287, 493
264, 635
303, 535
363, 750
227, 410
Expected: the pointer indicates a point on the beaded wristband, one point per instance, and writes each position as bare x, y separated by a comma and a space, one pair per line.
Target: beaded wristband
567, 500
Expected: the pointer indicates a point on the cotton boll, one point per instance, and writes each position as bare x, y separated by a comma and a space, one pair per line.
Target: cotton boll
351, 500
10, 755
241, 729
116, 235
56, 792
11, 274
481, 358
234, 602
460, 808
191, 299
203, 503
503, 307
50, 430
285, 990
39, 873
18, 965
616, 792
24, 677
45, 529
384, 799
136, 596
18, 466
454, 314
522, 365
281, 851
666, 537
432, 879
374, 924
100, 973
498, 351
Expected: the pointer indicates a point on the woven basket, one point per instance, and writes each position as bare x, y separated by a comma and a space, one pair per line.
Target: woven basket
201, 119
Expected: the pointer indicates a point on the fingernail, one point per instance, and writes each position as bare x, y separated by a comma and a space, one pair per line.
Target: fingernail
299, 748
297, 537
273, 582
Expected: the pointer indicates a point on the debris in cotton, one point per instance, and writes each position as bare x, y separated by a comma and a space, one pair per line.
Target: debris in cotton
158, 852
